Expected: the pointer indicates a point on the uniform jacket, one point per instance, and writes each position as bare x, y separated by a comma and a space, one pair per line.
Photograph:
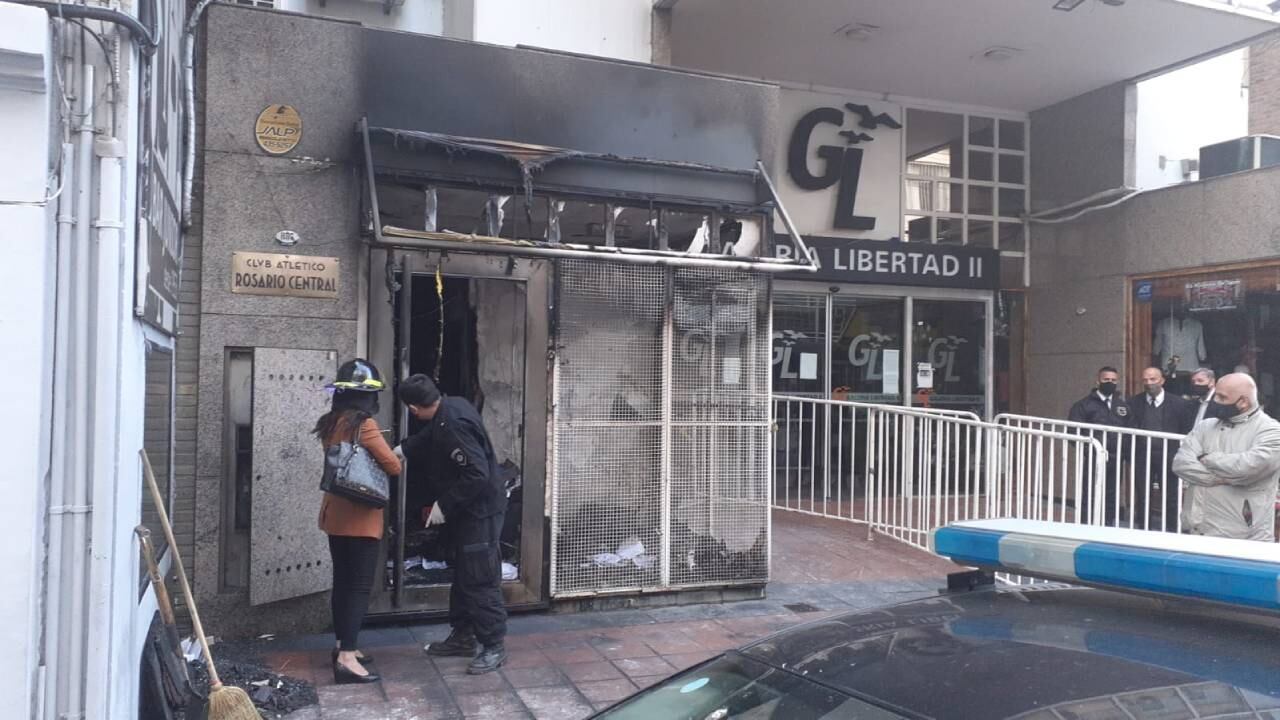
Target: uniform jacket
458, 456
1093, 410
1235, 465
340, 516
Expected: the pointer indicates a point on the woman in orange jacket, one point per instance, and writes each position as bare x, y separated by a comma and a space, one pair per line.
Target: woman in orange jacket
354, 529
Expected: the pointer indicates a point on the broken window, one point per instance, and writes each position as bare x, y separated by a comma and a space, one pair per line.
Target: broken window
685, 231
634, 227
462, 211
582, 222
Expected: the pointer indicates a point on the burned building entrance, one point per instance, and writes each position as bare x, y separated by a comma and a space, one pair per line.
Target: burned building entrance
477, 325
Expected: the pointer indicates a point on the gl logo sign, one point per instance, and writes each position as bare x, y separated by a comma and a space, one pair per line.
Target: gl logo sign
843, 165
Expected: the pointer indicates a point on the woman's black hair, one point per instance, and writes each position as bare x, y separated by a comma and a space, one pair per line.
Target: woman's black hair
351, 405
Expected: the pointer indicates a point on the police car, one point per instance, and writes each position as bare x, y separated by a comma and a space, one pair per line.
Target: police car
1123, 625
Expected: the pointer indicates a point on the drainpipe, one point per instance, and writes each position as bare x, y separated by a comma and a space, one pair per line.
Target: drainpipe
59, 486
77, 505
101, 491
189, 70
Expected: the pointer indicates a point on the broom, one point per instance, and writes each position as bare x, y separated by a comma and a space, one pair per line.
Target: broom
225, 703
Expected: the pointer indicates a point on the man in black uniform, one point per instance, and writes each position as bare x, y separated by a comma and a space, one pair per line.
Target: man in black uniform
1104, 406
1158, 411
458, 455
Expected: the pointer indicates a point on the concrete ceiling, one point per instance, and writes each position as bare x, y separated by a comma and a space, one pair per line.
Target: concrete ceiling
933, 49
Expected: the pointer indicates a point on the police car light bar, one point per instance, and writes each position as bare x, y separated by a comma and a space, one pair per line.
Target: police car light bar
1238, 572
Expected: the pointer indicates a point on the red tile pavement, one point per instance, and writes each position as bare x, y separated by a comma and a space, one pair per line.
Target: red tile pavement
565, 674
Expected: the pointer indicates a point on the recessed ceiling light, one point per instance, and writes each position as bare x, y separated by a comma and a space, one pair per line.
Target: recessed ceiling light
1000, 53
1067, 5
857, 31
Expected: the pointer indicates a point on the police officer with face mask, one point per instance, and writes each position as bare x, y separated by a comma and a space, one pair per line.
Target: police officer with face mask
1104, 406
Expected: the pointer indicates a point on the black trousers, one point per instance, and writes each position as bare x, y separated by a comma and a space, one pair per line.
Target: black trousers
355, 561
1158, 510
475, 598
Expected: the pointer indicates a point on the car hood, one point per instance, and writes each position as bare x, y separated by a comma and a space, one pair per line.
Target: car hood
1019, 652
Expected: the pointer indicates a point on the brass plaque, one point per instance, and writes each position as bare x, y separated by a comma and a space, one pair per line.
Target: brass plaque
279, 129
254, 273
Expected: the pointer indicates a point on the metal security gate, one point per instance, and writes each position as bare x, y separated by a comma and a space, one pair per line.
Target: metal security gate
661, 429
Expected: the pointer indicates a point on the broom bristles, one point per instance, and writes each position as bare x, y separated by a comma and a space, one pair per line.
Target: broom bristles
231, 703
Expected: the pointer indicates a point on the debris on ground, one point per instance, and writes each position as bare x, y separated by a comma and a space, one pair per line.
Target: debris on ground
239, 665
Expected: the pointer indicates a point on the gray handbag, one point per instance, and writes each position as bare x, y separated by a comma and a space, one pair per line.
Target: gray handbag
351, 472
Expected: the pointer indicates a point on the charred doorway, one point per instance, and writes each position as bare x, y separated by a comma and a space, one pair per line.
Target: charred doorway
478, 326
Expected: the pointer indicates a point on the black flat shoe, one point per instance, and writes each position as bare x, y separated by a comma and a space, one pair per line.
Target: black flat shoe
364, 659
343, 676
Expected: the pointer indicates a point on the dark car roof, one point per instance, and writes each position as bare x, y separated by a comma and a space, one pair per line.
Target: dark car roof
1015, 652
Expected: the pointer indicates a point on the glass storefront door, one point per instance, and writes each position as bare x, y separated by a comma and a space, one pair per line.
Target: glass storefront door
866, 349
949, 343
837, 344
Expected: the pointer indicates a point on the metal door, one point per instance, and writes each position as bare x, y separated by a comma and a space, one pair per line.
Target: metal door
289, 555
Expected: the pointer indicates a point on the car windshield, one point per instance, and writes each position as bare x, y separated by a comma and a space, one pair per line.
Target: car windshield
733, 686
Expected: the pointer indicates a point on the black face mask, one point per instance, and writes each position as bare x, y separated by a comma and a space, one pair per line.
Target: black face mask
1221, 411
1107, 388
1200, 391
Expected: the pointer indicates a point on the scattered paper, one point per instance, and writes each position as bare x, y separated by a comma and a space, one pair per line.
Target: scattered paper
434, 565
510, 572
191, 650
630, 549
267, 636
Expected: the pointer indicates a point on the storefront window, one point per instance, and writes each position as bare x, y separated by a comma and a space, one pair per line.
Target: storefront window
866, 350
1225, 320
800, 344
950, 338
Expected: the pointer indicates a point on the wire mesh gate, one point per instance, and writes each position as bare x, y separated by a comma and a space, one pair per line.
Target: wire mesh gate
660, 470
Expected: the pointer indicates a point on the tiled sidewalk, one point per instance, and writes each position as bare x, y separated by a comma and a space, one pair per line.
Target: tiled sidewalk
570, 665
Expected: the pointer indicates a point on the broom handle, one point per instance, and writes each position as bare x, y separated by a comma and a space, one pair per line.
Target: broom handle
153, 569
214, 681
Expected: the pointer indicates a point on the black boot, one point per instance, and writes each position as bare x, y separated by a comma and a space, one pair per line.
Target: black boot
490, 658
460, 643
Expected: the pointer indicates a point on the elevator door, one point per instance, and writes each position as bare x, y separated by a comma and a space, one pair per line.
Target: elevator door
478, 327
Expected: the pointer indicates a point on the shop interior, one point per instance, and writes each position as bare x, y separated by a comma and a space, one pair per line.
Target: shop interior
1225, 320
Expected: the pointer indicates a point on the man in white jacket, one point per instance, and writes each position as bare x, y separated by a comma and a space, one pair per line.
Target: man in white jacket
1233, 460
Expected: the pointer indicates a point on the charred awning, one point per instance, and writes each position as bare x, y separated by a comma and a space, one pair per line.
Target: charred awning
419, 156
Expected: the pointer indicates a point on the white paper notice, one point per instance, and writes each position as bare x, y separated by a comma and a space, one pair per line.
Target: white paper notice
731, 373
924, 376
808, 366
892, 363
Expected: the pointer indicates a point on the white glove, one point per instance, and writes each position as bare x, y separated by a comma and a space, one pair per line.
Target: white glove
399, 451
436, 517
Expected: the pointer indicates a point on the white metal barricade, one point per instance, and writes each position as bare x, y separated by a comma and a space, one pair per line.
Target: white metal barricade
904, 471
1138, 487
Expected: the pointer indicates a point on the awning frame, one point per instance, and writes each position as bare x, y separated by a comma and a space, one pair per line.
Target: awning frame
400, 238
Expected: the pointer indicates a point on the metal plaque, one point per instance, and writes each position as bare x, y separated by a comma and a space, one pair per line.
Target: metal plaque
308, 276
279, 129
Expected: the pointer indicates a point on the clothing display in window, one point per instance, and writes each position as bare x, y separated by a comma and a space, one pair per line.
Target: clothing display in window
1183, 338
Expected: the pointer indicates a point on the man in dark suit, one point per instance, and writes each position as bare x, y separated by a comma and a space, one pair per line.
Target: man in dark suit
1157, 489
1104, 407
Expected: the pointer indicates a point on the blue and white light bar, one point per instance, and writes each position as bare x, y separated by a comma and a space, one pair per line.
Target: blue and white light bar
1238, 572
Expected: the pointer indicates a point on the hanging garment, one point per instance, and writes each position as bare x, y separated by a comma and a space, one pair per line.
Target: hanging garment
1183, 338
